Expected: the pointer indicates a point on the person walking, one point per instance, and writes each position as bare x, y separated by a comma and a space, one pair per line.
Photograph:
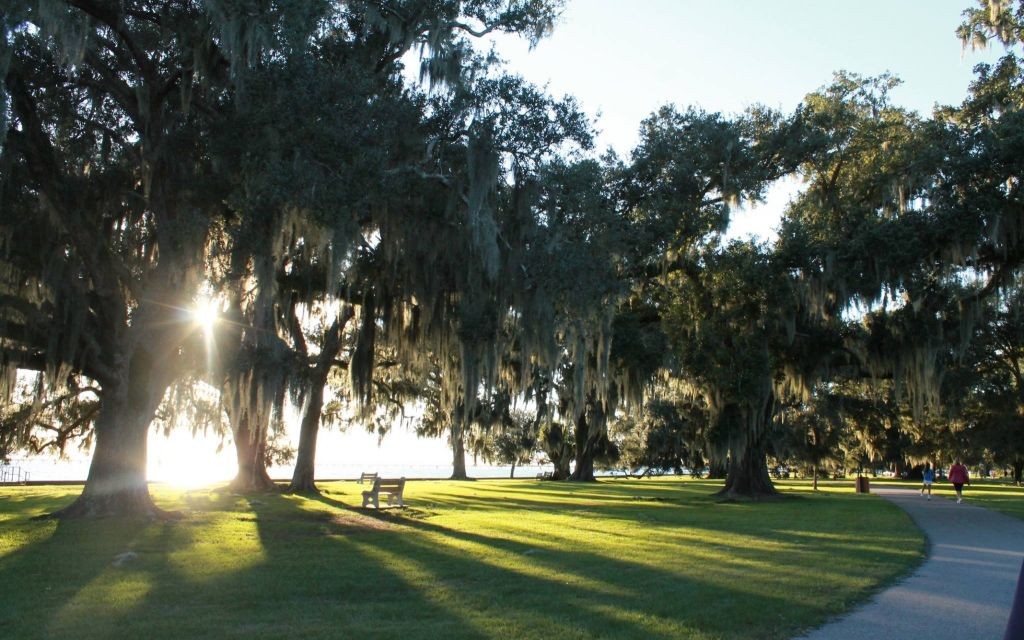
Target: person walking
959, 477
929, 478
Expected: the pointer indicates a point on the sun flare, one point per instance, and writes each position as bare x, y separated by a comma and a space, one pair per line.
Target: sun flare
205, 313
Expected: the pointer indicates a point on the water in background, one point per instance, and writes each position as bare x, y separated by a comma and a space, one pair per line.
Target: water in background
182, 460
50, 470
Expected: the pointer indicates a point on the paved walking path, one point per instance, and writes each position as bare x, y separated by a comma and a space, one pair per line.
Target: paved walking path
963, 591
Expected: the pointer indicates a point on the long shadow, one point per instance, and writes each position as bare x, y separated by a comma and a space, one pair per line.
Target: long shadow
615, 594
395, 578
323, 568
563, 498
595, 577
633, 511
51, 572
304, 577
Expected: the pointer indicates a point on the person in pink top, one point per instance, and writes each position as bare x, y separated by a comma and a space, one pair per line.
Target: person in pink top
958, 476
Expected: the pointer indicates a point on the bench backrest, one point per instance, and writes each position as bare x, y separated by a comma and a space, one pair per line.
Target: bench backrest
390, 485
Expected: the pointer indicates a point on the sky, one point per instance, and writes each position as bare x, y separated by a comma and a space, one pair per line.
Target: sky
623, 61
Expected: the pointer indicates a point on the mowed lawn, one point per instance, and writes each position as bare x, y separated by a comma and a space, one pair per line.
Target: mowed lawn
996, 494
653, 558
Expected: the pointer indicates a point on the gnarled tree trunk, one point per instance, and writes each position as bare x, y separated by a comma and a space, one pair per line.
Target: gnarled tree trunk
458, 452
558, 450
117, 484
251, 454
561, 471
748, 475
588, 432
718, 469
303, 480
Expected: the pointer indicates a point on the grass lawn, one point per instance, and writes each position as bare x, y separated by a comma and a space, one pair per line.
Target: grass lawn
999, 495
653, 558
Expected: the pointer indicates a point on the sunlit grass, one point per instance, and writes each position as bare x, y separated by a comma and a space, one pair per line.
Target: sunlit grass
997, 494
654, 558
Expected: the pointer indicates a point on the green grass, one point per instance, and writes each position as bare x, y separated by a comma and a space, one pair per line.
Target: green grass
655, 558
996, 494
999, 495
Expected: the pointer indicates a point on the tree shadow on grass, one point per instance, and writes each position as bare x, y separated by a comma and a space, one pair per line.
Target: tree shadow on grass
329, 574
319, 567
618, 597
666, 517
31, 501
552, 497
47, 576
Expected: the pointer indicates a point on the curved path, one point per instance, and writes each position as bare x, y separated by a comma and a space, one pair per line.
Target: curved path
965, 587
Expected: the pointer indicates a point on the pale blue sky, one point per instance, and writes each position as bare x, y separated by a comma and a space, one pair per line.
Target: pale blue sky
624, 60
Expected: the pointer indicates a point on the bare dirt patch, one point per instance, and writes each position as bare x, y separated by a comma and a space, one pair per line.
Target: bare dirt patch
346, 523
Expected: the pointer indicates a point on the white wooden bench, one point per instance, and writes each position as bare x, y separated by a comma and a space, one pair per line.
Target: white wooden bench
372, 477
390, 487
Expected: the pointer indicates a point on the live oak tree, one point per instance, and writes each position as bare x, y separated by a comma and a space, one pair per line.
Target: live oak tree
811, 433
668, 434
109, 191
574, 270
375, 154
909, 222
513, 441
112, 146
690, 168
477, 320
984, 388
731, 319
304, 197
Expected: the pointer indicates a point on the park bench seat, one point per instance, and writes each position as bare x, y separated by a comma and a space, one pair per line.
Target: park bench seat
363, 477
544, 475
392, 488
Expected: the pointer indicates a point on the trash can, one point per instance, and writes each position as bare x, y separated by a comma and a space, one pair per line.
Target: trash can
862, 485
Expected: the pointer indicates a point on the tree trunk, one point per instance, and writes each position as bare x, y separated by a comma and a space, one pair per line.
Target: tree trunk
748, 475
251, 454
303, 480
116, 484
717, 469
559, 452
561, 471
512, 473
585, 440
1018, 470
458, 452
815, 477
